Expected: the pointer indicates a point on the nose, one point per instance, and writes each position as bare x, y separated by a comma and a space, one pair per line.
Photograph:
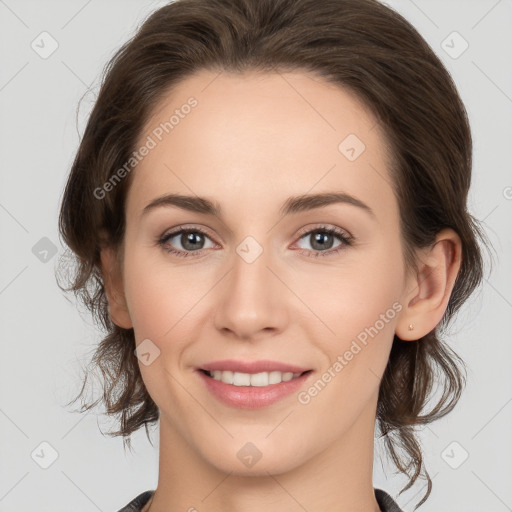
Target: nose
252, 299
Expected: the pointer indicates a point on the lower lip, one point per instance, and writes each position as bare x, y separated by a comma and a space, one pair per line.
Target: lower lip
252, 397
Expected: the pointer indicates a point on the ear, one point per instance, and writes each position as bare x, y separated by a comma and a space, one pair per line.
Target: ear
113, 281
427, 293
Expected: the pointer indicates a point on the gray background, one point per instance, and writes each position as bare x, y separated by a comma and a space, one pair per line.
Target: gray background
44, 338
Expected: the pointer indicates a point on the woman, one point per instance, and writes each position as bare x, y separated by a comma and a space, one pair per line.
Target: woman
319, 157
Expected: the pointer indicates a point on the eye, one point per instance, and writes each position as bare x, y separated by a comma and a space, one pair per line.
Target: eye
190, 239
322, 239
193, 240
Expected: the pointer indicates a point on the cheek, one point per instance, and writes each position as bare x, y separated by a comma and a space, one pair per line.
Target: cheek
159, 295
359, 303
161, 301
166, 303
362, 315
353, 294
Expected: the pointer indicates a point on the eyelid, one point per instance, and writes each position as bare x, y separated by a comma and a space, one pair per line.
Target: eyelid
186, 227
340, 231
303, 231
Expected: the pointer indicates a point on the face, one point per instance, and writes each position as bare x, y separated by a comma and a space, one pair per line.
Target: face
270, 275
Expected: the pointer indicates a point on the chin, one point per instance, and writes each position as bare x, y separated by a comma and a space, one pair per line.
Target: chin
258, 458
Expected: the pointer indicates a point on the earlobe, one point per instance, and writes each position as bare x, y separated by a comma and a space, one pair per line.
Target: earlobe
114, 289
427, 293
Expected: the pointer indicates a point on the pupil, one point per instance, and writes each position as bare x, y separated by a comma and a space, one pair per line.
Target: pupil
190, 239
320, 239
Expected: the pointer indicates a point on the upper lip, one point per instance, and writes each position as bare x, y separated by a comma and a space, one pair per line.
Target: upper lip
252, 366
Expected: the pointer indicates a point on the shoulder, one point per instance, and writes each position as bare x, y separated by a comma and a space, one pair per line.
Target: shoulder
137, 503
386, 502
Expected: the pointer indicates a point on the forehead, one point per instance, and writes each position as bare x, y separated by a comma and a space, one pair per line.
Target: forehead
261, 136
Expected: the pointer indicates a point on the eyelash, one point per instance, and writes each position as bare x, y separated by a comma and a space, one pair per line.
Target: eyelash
345, 239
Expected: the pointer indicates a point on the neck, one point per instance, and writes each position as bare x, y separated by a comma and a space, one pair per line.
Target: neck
339, 478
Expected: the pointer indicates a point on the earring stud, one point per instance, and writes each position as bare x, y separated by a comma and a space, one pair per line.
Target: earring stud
411, 327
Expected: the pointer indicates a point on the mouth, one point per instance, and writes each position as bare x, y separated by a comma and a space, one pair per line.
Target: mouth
242, 390
261, 379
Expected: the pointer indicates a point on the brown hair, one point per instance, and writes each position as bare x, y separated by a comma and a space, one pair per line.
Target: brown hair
360, 45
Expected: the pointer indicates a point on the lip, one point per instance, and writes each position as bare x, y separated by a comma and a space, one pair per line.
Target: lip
252, 366
253, 397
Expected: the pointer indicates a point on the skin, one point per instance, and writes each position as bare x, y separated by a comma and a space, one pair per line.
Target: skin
253, 141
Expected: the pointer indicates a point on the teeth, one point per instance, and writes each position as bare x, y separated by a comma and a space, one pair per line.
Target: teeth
252, 379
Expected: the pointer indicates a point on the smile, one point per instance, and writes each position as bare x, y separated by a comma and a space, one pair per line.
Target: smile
252, 379
252, 390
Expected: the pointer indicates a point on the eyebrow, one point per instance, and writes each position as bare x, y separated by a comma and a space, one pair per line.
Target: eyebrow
292, 205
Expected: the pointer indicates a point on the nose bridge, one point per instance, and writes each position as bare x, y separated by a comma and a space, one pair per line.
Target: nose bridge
251, 299
250, 267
